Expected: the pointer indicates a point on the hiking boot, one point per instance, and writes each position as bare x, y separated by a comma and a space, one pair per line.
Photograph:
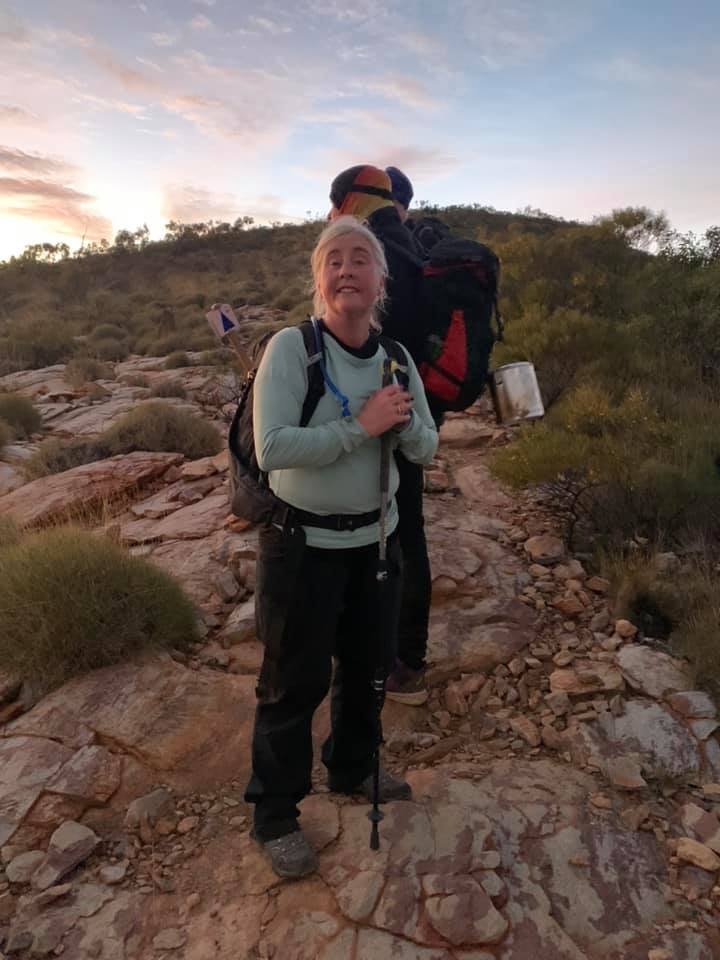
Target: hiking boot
291, 856
405, 685
390, 787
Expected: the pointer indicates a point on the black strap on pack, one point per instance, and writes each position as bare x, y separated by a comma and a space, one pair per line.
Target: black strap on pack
286, 515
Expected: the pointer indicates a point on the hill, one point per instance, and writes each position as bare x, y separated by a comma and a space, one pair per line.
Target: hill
149, 297
619, 316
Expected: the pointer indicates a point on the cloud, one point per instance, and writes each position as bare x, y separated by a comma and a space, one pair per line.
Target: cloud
111, 103
257, 106
42, 190
205, 3
9, 187
150, 63
17, 115
520, 31
421, 44
421, 161
270, 26
67, 218
17, 161
355, 13
418, 162
407, 90
129, 77
664, 79
12, 30
163, 39
201, 22
191, 204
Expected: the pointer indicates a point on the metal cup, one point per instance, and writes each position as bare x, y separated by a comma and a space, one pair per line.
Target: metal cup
516, 394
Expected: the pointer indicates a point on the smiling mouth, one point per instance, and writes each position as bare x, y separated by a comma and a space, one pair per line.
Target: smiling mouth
347, 290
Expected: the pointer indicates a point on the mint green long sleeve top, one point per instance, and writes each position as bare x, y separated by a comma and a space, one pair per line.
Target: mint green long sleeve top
332, 465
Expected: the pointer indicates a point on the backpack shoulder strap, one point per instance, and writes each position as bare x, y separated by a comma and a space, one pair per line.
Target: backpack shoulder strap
316, 381
397, 353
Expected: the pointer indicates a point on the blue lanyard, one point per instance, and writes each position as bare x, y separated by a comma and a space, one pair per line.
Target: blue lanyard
339, 396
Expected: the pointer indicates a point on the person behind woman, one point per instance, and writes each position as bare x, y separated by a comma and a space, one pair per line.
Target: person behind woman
316, 592
368, 193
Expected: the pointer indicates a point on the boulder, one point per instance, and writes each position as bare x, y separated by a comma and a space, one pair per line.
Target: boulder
10, 478
477, 485
193, 727
27, 763
69, 846
694, 704
585, 677
697, 854
652, 672
545, 549
645, 729
240, 625
93, 774
21, 868
465, 432
77, 491
149, 808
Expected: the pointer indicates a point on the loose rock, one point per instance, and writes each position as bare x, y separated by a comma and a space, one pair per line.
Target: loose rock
70, 844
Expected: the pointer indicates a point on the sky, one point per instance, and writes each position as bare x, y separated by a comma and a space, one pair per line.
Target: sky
115, 113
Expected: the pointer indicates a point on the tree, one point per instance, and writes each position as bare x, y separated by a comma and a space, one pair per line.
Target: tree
640, 226
45, 253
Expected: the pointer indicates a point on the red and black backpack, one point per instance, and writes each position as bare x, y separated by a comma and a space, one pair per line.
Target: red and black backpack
459, 299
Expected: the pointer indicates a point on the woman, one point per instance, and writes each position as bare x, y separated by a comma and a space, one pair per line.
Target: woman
377, 196
316, 594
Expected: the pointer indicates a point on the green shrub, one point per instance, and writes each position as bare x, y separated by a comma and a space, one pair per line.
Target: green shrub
150, 345
108, 331
33, 347
178, 358
680, 604
72, 602
169, 388
54, 456
19, 414
211, 358
6, 434
300, 311
82, 370
109, 349
157, 426
9, 532
539, 455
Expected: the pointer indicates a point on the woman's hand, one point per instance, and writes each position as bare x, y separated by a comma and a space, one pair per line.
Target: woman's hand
385, 409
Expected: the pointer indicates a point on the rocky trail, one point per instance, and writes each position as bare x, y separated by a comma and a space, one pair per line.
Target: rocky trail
566, 772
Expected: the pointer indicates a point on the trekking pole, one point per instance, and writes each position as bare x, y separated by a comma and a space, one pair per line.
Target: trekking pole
376, 815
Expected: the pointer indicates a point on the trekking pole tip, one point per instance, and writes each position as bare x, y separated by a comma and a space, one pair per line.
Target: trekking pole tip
375, 816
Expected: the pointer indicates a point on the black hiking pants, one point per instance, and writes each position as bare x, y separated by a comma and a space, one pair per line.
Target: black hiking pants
311, 606
417, 582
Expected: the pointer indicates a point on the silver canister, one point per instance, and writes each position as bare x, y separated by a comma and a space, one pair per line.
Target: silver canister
516, 394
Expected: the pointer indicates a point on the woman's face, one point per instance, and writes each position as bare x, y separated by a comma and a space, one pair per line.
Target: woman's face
350, 280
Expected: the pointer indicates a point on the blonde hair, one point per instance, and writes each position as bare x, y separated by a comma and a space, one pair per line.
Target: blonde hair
342, 227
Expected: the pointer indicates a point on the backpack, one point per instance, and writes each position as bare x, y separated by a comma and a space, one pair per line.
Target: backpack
459, 300
251, 496
460, 281
426, 232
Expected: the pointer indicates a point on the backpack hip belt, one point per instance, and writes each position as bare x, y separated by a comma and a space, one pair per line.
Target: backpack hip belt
340, 522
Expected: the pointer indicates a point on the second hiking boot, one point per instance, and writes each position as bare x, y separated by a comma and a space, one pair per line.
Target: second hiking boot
391, 788
405, 685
